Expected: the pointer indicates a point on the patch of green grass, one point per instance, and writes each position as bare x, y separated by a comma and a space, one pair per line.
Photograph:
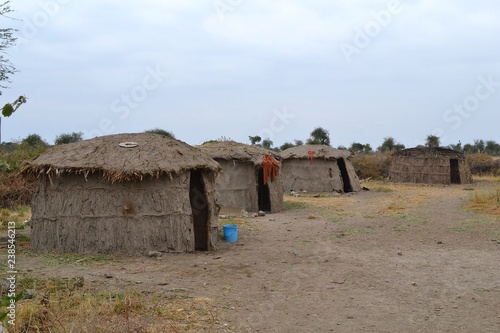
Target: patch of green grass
411, 219
18, 214
383, 189
305, 241
459, 229
290, 205
482, 290
335, 218
469, 189
406, 220
399, 228
59, 259
351, 232
67, 305
48, 284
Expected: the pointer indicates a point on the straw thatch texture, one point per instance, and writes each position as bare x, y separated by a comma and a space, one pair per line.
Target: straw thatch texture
241, 183
124, 199
236, 151
154, 155
430, 166
318, 168
322, 152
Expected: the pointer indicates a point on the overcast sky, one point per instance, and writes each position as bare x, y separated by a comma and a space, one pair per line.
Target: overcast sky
206, 69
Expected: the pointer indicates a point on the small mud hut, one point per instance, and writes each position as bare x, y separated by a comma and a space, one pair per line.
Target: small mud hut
430, 166
318, 168
250, 177
124, 193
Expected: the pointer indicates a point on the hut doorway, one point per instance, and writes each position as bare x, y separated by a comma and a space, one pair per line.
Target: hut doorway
454, 171
199, 207
345, 175
263, 193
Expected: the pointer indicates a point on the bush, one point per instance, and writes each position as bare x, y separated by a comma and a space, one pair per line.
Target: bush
15, 190
483, 164
66, 138
374, 166
22, 153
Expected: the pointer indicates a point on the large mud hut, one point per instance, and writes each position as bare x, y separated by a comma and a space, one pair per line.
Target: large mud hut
318, 168
431, 166
124, 193
250, 177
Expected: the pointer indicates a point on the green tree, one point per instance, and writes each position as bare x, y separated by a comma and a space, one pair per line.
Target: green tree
266, 143
387, 145
34, 140
457, 147
432, 141
357, 148
65, 138
390, 145
286, 145
161, 132
298, 142
319, 136
479, 146
468, 148
492, 147
254, 139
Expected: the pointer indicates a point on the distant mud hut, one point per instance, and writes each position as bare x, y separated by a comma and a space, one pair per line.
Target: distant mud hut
250, 177
124, 193
431, 166
318, 168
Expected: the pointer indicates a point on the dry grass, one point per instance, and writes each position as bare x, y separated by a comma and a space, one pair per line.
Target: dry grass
490, 178
18, 215
486, 201
331, 208
65, 305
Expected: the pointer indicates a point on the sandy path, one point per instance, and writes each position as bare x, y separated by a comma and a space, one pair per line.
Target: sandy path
409, 260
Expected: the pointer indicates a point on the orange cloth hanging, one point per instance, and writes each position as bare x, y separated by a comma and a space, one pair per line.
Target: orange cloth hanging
311, 154
271, 167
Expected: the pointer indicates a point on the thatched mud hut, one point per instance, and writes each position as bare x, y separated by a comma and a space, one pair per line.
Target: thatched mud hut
250, 177
431, 166
318, 168
124, 193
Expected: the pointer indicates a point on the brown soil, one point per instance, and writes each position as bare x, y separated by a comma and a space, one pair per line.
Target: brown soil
397, 258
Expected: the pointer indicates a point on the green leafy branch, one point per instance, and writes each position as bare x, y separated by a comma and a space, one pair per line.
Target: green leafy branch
10, 108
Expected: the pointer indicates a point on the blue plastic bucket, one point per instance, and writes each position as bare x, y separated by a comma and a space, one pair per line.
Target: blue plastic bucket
230, 232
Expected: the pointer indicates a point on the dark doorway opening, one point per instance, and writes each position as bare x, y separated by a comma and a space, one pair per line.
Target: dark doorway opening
199, 207
263, 193
344, 175
454, 171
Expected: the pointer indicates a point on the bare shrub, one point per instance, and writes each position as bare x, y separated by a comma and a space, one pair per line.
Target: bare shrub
374, 166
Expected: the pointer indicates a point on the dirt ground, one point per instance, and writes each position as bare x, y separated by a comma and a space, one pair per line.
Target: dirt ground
397, 258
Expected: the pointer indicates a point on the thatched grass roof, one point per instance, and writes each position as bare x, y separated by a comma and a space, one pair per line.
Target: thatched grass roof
430, 152
231, 150
153, 156
320, 151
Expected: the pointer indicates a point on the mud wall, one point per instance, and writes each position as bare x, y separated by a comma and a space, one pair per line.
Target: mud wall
276, 194
317, 176
237, 185
71, 214
428, 170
